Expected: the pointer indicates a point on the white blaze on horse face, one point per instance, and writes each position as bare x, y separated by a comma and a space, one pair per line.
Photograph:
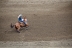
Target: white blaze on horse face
26, 21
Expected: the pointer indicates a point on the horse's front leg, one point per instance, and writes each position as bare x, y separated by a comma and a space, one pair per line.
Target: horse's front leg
26, 26
18, 29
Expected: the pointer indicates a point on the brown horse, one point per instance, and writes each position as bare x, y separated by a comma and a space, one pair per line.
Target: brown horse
18, 26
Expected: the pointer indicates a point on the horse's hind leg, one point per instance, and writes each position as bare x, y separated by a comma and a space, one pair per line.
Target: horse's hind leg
11, 25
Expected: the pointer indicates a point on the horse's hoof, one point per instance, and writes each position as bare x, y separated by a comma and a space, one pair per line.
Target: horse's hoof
26, 28
18, 31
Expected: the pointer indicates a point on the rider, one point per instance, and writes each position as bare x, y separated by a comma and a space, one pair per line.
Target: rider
22, 20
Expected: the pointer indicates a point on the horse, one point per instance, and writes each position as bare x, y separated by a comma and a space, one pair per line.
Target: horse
18, 26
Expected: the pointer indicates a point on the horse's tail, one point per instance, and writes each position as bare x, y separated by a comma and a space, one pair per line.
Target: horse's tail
11, 25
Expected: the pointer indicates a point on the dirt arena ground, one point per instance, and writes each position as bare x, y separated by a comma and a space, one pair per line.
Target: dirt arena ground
47, 20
